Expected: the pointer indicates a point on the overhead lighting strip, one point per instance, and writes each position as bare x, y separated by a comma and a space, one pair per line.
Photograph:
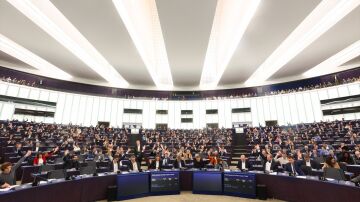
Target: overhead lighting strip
320, 20
44, 14
141, 19
15, 50
231, 20
332, 64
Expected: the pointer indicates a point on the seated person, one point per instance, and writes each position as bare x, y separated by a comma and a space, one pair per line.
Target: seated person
356, 158
291, 167
309, 162
270, 165
8, 170
346, 158
281, 157
330, 162
156, 163
3, 184
179, 163
40, 158
70, 160
214, 159
18, 149
198, 162
188, 155
166, 161
243, 163
115, 164
134, 165
222, 164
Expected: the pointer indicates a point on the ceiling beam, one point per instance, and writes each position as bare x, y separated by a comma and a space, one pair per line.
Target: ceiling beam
320, 20
141, 19
15, 50
333, 63
232, 17
45, 15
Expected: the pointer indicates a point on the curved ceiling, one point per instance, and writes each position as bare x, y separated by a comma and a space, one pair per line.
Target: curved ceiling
180, 44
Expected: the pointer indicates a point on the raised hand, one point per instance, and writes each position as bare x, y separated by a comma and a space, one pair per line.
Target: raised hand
28, 153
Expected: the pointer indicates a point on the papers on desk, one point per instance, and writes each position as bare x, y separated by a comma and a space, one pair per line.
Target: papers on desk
302, 177
42, 182
9, 188
273, 173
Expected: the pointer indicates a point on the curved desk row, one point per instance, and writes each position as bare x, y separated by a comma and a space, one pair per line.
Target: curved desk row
95, 188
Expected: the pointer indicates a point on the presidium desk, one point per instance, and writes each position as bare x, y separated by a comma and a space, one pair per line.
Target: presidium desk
131, 185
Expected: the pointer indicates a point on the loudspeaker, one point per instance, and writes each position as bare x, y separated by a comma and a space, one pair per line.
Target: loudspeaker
261, 191
111, 193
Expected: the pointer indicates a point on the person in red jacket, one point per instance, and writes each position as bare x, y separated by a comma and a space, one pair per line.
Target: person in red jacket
40, 158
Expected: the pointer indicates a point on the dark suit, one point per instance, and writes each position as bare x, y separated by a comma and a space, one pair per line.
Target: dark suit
132, 168
153, 165
240, 165
314, 164
70, 163
19, 152
293, 169
111, 166
274, 165
199, 164
166, 161
123, 157
177, 164
138, 152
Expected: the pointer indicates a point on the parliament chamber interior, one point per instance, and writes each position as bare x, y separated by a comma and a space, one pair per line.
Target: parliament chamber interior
179, 100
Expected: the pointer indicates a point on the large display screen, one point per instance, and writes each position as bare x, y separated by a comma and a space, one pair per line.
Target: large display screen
165, 182
242, 184
207, 182
132, 185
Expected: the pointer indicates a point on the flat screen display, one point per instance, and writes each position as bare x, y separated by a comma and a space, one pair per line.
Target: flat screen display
132, 185
165, 182
207, 182
243, 184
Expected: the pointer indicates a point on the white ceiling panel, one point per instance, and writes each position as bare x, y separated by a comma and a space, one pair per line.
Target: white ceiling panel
272, 23
186, 27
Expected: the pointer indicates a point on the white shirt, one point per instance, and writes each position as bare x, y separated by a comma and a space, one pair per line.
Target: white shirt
157, 165
308, 163
243, 167
40, 162
268, 166
116, 167
135, 167
293, 169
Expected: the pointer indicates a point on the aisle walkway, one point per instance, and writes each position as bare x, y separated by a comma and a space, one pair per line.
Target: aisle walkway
187, 196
